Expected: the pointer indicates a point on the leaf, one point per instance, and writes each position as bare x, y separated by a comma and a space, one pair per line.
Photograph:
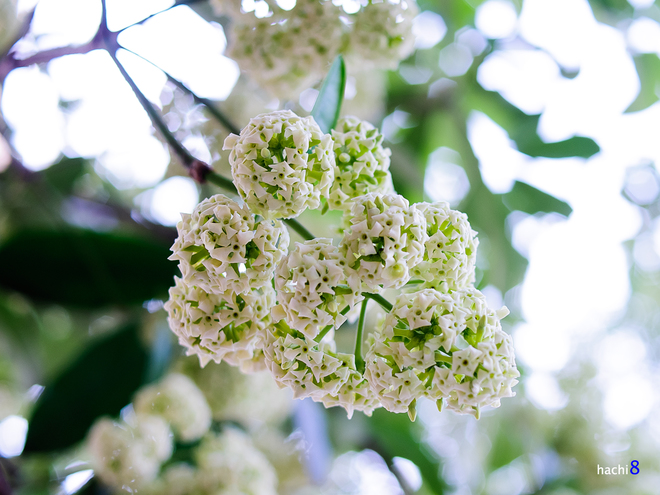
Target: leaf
328, 103
64, 173
85, 269
648, 70
395, 438
528, 199
100, 382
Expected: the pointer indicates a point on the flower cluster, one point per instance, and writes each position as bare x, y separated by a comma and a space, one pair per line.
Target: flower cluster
362, 163
254, 304
219, 326
177, 400
312, 289
383, 242
223, 248
286, 51
382, 33
224, 463
451, 248
289, 51
314, 369
281, 164
129, 456
449, 347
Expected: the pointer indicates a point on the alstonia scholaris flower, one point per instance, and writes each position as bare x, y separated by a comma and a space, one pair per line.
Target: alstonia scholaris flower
176, 399
445, 346
237, 396
383, 242
125, 457
225, 463
219, 326
362, 162
222, 247
290, 51
281, 164
382, 34
312, 289
451, 249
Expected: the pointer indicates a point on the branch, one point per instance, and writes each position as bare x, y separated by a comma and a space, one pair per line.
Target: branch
380, 300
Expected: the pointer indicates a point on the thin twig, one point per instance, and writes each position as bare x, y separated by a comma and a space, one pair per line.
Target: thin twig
213, 110
299, 228
359, 360
379, 299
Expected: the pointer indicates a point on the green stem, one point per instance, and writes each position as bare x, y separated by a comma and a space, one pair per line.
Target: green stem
379, 299
326, 329
299, 228
220, 181
359, 360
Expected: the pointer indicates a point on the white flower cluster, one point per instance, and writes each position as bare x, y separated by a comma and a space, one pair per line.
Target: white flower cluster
289, 51
382, 34
224, 464
236, 396
445, 346
219, 326
383, 242
362, 163
129, 457
177, 400
316, 370
281, 164
286, 51
252, 304
223, 248
451, 248
312, 289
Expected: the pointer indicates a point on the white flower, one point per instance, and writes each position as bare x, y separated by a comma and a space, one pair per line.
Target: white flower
281, 164
445, 346
308, 368
290, 51
382, 34
312, 289
362, 162
231, 464
177, 399
451, 249
237, 396
355, 394
219, 327
223, 247
125, 457
225, 464
384, 240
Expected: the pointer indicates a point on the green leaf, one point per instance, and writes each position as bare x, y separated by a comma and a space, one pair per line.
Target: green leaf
528, 199
648, 70
64, 173
100, 382
395, 436
328, 103
85, 269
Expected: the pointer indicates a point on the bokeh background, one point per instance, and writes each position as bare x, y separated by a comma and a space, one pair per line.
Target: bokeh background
538, 118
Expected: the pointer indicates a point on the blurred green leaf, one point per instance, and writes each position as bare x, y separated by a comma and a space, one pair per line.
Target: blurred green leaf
328, 103
100, 382
528, 199
85, 269
648, 70
394, 434
578, 146
64, 173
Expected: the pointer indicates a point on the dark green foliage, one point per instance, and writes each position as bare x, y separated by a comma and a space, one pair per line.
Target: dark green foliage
85, 269
100, 382
328, 104
64, 174
528, 199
